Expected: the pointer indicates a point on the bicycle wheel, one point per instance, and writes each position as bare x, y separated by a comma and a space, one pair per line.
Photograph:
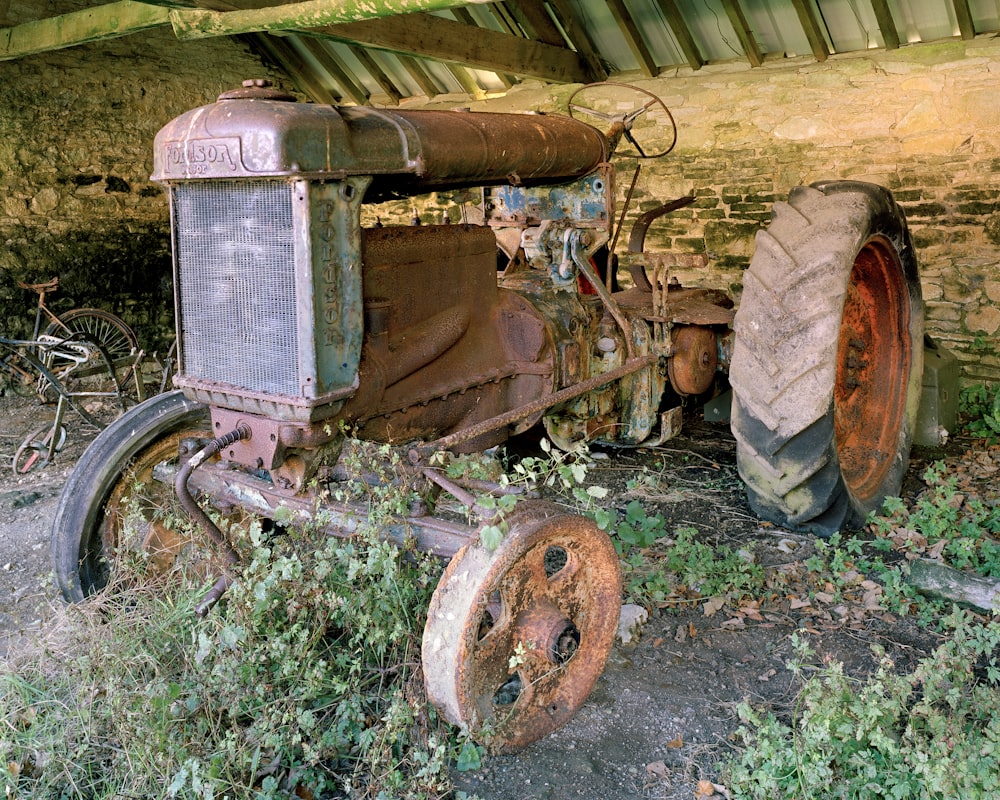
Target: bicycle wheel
34, 450
16, 375
119, 344
113, 333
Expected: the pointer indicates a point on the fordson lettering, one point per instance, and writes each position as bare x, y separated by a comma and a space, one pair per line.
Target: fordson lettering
328, 290
202, 156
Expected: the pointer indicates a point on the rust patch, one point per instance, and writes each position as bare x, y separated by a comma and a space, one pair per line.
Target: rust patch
873, 364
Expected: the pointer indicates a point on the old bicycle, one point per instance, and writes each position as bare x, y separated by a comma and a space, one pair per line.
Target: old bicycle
84, 359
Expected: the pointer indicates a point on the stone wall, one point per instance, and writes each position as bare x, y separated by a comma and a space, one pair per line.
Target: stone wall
76, 144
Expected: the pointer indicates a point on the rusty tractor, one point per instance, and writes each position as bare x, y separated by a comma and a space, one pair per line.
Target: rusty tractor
294, 321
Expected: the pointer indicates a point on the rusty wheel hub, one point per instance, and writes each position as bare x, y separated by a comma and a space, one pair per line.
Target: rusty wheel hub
516, 638
873, 364
695, 360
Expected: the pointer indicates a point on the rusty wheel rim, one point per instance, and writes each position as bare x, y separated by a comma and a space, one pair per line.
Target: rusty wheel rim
138, 512
526, 631
873, 364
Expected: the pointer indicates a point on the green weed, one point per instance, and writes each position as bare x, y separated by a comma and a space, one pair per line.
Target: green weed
303, 681
979, 411
930, 733
946, 521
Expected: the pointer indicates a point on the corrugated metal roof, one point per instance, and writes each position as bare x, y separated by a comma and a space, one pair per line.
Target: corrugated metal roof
647, 37
481, 48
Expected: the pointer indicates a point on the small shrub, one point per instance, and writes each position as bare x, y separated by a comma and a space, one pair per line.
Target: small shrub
303, 681
979, 412
932, 733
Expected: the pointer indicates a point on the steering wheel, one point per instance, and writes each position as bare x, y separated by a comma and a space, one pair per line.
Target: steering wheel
620, 125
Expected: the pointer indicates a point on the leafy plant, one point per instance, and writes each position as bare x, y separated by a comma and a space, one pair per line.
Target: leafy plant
637, 529
302, 681
662, 568
945, 521
979, 409
929, 733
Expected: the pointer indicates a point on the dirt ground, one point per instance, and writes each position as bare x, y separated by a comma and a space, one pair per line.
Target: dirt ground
663, 712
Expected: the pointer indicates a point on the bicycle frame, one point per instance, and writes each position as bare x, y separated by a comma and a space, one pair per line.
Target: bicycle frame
78, 353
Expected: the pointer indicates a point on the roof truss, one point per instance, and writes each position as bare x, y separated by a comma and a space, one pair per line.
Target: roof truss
356, 50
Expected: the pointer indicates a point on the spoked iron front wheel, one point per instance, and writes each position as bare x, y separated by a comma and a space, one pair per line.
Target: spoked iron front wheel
112, 490
516, 638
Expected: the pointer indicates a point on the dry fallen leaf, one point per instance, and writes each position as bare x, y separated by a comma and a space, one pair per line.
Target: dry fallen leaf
677, 742
657, 768
709, 789
712, 605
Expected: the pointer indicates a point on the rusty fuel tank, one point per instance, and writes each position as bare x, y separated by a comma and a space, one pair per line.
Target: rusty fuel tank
257, 132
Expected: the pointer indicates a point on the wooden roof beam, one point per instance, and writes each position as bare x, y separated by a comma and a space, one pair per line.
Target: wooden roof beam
202, 24
282, 53
535, 21
966, 25
580, 40
333, 65
633, 37
378, 74
739, 22
464, 16
453, 42
681, 33
420, 76
813, 30
466, 80
886, 24
109, 21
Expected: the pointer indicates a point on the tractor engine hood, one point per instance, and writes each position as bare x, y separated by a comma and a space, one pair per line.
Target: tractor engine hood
259, 132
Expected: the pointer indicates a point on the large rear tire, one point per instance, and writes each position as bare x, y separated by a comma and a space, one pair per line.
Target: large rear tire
828, 359
114, 471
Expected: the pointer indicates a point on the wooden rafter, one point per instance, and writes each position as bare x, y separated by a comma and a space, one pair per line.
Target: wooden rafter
109, 21
963, 14
535, 21
282, 53
328, 60
453, 42
378, 74
739, 22
466, 80
202, 24
814, 32
504, 19
579, 39
419, 75
633, 37
886, 24
464, 16
682, 33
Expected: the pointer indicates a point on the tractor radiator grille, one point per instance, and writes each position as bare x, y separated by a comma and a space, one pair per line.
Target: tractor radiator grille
234, 248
